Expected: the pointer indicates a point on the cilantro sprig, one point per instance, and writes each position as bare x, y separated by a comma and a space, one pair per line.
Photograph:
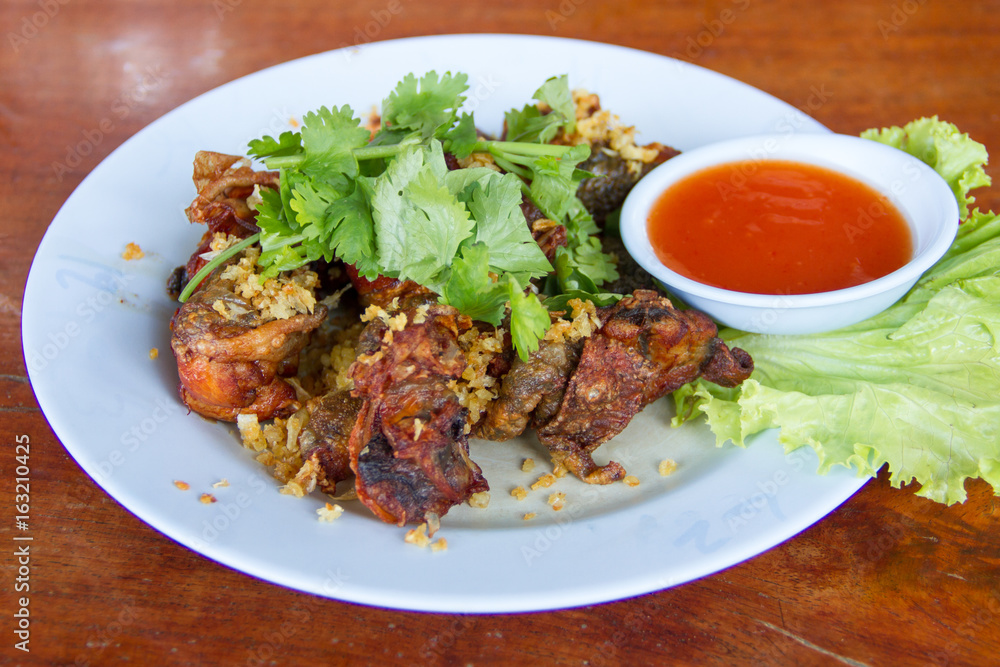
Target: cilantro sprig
389, 205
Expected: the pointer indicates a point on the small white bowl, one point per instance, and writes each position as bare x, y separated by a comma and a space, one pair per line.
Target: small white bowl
920, 194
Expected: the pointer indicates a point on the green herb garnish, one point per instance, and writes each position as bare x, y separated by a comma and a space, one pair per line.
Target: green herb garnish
389, 205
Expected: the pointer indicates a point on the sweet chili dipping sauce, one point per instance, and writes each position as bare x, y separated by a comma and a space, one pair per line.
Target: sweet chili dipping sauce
777, 227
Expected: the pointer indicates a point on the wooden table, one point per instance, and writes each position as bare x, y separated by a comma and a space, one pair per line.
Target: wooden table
887, 579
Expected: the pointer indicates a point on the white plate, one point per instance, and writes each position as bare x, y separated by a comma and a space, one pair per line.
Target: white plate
90, 319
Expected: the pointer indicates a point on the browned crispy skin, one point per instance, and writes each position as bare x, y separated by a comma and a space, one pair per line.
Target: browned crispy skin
614, 179
409, 450
324, 437
223, 184
531, 390
645, 349
383, 290
577, 400
229, 367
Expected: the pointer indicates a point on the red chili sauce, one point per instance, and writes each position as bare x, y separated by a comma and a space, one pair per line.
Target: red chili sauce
777, 227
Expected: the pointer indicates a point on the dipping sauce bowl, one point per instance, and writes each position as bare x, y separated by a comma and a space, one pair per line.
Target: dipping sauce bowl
898, 180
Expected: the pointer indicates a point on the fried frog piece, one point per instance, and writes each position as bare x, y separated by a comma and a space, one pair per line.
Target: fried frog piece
409, 448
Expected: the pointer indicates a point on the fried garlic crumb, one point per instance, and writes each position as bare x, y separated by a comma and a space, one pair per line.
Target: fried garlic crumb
250, 432
418, 536
481, 499
154, 352
529, 516
631, 480
278, 298
557, 500
397, 322
545, 481
440, 545
519, 493
133, 251
183, 486
222, 482
667, 467
528, 465
207, 498
329, 512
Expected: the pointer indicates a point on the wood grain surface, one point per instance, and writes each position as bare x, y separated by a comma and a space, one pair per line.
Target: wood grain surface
887, 579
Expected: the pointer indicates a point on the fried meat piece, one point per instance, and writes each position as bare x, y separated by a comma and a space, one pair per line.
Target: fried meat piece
323, 440
234, 363
644, 349
223, 183
531, 389
409, 448
615, 178
383, 290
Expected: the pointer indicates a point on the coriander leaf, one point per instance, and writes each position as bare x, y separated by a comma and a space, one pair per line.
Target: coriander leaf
591, 260
460, 182
500, 225
470, 289
438, 224
554, 183
462, 139
284, 258
528, 319
388, 206
556, 94
560, 302
530, 124
428, 105
569, 275
419, 224
328, 138
288, 143
353, 237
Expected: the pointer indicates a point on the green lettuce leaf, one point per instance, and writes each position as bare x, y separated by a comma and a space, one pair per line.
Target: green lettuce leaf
952, 154
917, 387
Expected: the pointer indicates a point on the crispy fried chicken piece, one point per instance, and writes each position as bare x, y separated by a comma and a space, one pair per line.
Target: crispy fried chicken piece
323, 440
232, 364
644, 349
409, 449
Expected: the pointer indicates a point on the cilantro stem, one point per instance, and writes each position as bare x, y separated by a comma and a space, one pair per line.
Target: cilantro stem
523, 148
215, 262
363, 153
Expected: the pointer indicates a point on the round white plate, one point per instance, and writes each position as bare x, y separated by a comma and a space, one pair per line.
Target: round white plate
90, 319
